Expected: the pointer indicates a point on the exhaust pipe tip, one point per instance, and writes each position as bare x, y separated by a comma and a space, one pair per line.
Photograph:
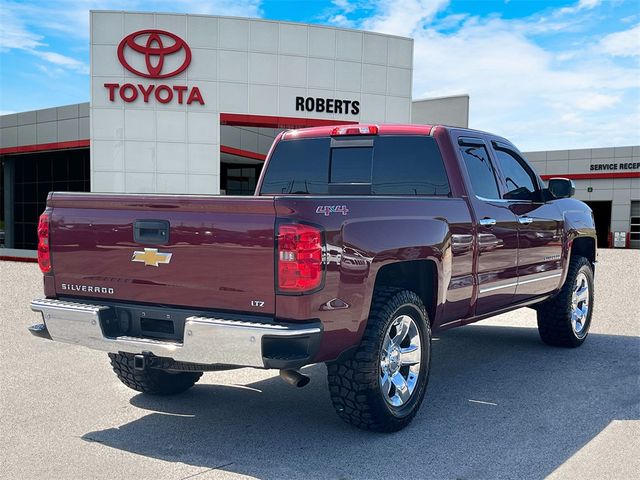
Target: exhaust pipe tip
294, 378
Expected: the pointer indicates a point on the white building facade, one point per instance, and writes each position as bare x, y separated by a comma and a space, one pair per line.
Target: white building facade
162, 85
608, 180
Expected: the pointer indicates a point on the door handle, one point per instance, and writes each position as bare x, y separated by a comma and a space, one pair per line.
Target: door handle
525, 220
487, 222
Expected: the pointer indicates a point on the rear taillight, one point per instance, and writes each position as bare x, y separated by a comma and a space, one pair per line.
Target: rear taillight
355, 130
300, 264
44, 254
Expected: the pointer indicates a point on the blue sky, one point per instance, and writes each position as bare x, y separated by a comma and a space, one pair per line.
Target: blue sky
546, 74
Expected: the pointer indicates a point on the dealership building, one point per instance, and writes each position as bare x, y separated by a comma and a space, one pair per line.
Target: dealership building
191, 104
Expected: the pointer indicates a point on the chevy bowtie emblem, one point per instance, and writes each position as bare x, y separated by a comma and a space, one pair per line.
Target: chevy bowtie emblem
151, 257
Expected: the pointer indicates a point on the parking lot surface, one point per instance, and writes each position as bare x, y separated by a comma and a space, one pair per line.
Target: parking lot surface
500, 404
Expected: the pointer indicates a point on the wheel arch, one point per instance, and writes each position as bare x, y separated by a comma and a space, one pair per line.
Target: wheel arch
584, 247
419, 276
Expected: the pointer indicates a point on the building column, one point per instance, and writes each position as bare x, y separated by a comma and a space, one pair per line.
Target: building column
8, 191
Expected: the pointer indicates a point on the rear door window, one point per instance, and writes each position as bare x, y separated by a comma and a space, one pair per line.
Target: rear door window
480, 169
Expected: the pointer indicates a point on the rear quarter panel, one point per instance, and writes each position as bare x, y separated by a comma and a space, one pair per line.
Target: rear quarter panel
370, 233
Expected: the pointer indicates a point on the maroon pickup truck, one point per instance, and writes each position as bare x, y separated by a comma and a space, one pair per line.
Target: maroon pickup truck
360, 242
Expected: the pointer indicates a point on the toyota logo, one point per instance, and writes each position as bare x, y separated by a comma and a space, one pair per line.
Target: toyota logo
154, 51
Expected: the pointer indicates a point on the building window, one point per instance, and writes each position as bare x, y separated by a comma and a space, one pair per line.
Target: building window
635, 224
35, 176
239, 179
2, 227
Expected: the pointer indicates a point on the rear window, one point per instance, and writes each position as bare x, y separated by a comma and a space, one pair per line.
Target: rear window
298, 166
351, 165
389, 165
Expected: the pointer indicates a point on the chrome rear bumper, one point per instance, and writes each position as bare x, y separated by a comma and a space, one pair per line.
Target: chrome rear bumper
206, 340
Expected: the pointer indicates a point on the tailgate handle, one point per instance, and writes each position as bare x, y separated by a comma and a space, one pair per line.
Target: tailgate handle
151, 231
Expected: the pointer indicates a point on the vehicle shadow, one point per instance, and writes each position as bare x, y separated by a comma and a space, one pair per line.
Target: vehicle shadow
499, 404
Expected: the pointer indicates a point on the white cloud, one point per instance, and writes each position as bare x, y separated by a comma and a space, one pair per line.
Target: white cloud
344, 5
597, 101
452, 21
622, 44
51, 71
62, 61
13, 34
403, 17
589, 3
581, 5
238, 8
341, 20
517, 88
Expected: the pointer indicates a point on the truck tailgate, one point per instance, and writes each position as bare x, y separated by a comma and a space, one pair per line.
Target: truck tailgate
222, 249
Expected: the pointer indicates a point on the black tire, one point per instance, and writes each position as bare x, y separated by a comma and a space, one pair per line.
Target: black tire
151, 380
554, 315
355, 384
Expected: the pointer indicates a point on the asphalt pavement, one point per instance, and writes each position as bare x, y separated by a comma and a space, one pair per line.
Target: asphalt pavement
500, 404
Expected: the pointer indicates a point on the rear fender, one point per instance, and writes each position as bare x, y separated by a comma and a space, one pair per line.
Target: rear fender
404, 240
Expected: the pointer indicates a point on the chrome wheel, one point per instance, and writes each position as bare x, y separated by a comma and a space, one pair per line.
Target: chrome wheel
400, 360
580, 305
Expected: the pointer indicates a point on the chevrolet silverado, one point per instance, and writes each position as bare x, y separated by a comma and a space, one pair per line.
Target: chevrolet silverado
360, 242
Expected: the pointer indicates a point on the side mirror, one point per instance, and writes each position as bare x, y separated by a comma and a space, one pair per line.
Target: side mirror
561, 187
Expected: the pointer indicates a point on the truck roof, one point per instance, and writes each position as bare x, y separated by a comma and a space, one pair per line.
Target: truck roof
380, 129
376, 129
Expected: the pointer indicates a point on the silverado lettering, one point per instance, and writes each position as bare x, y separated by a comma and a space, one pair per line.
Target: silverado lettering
86, 288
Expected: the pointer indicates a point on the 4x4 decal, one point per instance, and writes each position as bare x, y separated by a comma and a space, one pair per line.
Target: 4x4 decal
327, 210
